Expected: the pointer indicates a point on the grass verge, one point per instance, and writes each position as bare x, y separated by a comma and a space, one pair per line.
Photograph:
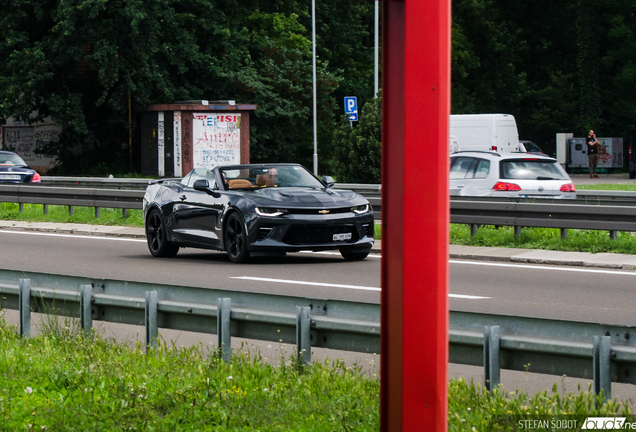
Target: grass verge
83, 215
66, 382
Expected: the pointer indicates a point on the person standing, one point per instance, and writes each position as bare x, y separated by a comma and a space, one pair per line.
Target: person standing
592, 152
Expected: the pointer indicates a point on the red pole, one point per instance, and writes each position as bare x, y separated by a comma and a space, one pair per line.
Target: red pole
415, 215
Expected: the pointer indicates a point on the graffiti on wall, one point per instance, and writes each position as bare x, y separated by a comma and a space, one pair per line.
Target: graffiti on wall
217, 139
29, 141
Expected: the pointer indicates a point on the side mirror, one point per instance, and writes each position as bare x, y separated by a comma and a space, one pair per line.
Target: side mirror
327, 181
201, 185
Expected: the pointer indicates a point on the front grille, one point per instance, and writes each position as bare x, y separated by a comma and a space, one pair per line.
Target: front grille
368, 229
316, 211
318, 233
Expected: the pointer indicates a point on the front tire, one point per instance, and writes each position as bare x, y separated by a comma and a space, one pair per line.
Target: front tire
236, 239
355, 255
157, 237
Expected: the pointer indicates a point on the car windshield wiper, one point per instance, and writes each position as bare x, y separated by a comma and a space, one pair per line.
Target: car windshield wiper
546, 178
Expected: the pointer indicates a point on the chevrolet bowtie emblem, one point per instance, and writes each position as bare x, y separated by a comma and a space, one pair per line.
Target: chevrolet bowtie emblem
323, 211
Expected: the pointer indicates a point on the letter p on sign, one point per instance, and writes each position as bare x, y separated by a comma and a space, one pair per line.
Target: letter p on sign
351, 107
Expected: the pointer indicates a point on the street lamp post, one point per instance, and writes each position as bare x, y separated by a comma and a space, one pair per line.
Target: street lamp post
313, 49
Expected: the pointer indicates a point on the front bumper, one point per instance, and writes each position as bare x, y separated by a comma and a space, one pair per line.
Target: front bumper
293, 233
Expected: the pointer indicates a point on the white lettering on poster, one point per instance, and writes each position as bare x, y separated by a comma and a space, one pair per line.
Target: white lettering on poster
177, 144
217, 139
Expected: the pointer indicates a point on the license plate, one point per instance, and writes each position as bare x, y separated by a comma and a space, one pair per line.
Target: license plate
342, 237
10, 177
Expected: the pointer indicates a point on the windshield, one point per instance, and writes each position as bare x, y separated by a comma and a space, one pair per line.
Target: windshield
269, 176
8, 159
532, 169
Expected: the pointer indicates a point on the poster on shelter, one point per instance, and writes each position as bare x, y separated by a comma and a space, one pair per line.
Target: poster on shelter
217, 139
28, 140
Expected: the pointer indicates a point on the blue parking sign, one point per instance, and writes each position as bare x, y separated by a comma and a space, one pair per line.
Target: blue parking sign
351, 107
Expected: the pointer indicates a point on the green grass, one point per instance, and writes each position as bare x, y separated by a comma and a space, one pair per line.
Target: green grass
83, 215
72, 383
616, 187
544, 238
63, 381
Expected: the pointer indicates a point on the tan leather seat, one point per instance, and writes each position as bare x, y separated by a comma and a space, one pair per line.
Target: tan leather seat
239, 184
261, 179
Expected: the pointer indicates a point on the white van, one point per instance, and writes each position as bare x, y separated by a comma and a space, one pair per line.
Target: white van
485, 132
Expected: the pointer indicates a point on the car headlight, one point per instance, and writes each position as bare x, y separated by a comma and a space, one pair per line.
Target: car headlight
271, 212
360, 209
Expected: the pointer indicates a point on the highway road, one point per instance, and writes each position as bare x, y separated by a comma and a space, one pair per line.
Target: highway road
571, 293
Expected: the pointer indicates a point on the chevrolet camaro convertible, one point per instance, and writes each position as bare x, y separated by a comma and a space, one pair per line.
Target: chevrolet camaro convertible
245, 209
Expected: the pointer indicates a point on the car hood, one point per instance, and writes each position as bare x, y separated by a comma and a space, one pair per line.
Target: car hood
306, 198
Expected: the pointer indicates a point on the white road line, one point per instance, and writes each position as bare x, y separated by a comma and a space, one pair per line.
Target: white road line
93, 237
538, 267
322, 284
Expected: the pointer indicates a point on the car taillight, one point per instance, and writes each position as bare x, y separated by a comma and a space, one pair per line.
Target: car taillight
568, 188
36, 178
503, 186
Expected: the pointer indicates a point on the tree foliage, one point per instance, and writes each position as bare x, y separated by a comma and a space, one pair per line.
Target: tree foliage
357, 149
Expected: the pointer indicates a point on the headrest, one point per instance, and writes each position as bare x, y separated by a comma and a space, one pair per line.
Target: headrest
239, 184
261, 179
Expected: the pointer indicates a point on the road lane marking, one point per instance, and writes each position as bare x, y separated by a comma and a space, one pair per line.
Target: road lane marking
329, 285
538, 267
94, 237
371, 255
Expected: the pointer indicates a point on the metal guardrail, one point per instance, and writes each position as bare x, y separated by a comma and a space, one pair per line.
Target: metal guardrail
602, 352
589, 212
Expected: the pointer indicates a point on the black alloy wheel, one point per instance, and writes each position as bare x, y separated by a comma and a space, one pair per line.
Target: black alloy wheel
354, 255
236, 239
157, 237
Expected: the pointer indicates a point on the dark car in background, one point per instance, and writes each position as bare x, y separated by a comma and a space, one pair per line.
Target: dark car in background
244, 209
13, 169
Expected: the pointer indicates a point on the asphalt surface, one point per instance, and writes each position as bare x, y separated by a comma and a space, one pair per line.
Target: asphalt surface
510, 288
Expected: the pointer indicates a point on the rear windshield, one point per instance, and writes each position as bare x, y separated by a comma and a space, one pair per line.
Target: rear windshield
11, 160
532, 169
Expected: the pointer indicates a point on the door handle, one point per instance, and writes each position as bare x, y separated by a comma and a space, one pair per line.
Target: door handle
183, 197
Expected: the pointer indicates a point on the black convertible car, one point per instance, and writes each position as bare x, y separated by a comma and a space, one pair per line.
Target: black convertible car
256, 208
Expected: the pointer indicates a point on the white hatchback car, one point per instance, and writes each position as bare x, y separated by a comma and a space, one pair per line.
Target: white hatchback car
513, 175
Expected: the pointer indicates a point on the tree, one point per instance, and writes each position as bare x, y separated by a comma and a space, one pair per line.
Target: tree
357, 150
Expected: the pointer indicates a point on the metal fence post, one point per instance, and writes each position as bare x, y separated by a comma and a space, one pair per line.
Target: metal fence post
564, 233
151, 320
517, 232
97, 212
21, 206
71, 210
45, 208
24, 300
613, 234
124, 213
223, 326
303, 333
492, 376
86, 317
601, 363
473, 230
